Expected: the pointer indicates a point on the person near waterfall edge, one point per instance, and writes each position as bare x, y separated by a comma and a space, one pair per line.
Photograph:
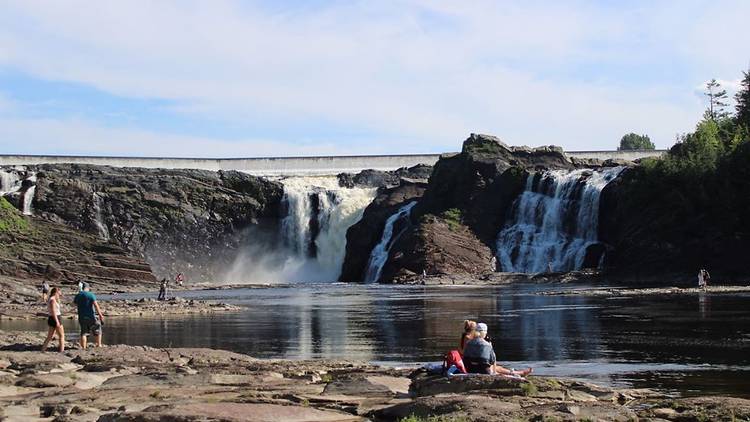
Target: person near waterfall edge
179, 279
703, 278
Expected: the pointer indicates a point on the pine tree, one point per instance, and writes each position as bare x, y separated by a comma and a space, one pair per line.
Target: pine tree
717, 98
743, 101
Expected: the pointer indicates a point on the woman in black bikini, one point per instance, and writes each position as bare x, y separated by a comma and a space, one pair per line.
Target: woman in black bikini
53, 320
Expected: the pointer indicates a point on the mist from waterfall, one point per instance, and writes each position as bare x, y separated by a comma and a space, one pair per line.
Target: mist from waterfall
379, 254
311, 243
553, 221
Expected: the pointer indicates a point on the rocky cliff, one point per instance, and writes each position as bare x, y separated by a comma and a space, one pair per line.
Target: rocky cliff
459, 214
362, 237
189, 221
34, 249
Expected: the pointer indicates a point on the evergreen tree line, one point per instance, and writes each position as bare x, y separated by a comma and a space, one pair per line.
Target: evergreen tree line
692, 203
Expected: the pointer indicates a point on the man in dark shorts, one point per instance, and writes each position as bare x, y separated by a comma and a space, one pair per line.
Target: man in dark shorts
88, 310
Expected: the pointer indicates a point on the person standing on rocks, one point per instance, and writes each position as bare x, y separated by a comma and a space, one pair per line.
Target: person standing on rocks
87, 304
163, 289
53, 320
706, 278
703, 278
45, 291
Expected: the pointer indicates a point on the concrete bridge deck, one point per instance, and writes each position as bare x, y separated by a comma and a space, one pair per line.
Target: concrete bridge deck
287, 166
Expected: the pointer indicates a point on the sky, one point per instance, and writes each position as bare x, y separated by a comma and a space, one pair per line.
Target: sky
227, 78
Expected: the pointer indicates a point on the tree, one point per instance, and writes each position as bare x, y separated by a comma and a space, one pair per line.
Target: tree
635, 141
717, 98
743, 101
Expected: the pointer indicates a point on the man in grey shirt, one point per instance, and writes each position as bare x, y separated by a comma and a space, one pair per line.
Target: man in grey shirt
479, 356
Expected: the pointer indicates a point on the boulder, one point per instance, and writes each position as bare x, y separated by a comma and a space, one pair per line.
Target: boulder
362, 237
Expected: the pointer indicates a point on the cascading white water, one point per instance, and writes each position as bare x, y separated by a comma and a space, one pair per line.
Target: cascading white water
9, 182
337, 209
28, 196
553, 221
98, 221
379, 254
313, 234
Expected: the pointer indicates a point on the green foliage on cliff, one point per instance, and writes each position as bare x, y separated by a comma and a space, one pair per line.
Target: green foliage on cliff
453, 217
635, 141
10, 219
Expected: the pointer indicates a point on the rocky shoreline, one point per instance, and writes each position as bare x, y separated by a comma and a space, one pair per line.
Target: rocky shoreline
22, 301
130, 383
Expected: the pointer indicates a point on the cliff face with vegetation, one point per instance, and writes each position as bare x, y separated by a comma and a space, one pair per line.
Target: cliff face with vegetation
34, 249
686, 211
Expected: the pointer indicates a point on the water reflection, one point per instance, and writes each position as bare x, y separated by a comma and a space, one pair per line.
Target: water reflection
704, 305
377, 323
562, 334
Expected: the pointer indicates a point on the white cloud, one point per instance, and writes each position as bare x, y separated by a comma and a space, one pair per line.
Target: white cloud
427, 71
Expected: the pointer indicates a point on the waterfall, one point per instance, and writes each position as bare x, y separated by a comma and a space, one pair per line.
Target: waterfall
312, 233
379, 254
9, 182
98, 221
28, 196
553, 221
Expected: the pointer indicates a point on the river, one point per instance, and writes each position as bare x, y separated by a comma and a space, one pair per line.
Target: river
687, 344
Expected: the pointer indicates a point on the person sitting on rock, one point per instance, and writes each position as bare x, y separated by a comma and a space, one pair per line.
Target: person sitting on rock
179, 279
469, 327
479, 356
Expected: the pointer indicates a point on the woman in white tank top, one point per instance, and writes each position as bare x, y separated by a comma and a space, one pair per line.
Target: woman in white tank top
54, 321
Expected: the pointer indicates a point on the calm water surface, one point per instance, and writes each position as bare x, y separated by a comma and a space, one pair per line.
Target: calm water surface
682, 343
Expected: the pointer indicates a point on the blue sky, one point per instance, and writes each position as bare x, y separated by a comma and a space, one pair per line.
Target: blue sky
241, 78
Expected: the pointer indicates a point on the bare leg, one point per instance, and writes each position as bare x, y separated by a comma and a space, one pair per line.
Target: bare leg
60, 338
82, 341
50, 333
499, 370
98, 340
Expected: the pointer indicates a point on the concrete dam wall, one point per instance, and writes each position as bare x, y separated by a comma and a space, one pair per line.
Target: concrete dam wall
287, 166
